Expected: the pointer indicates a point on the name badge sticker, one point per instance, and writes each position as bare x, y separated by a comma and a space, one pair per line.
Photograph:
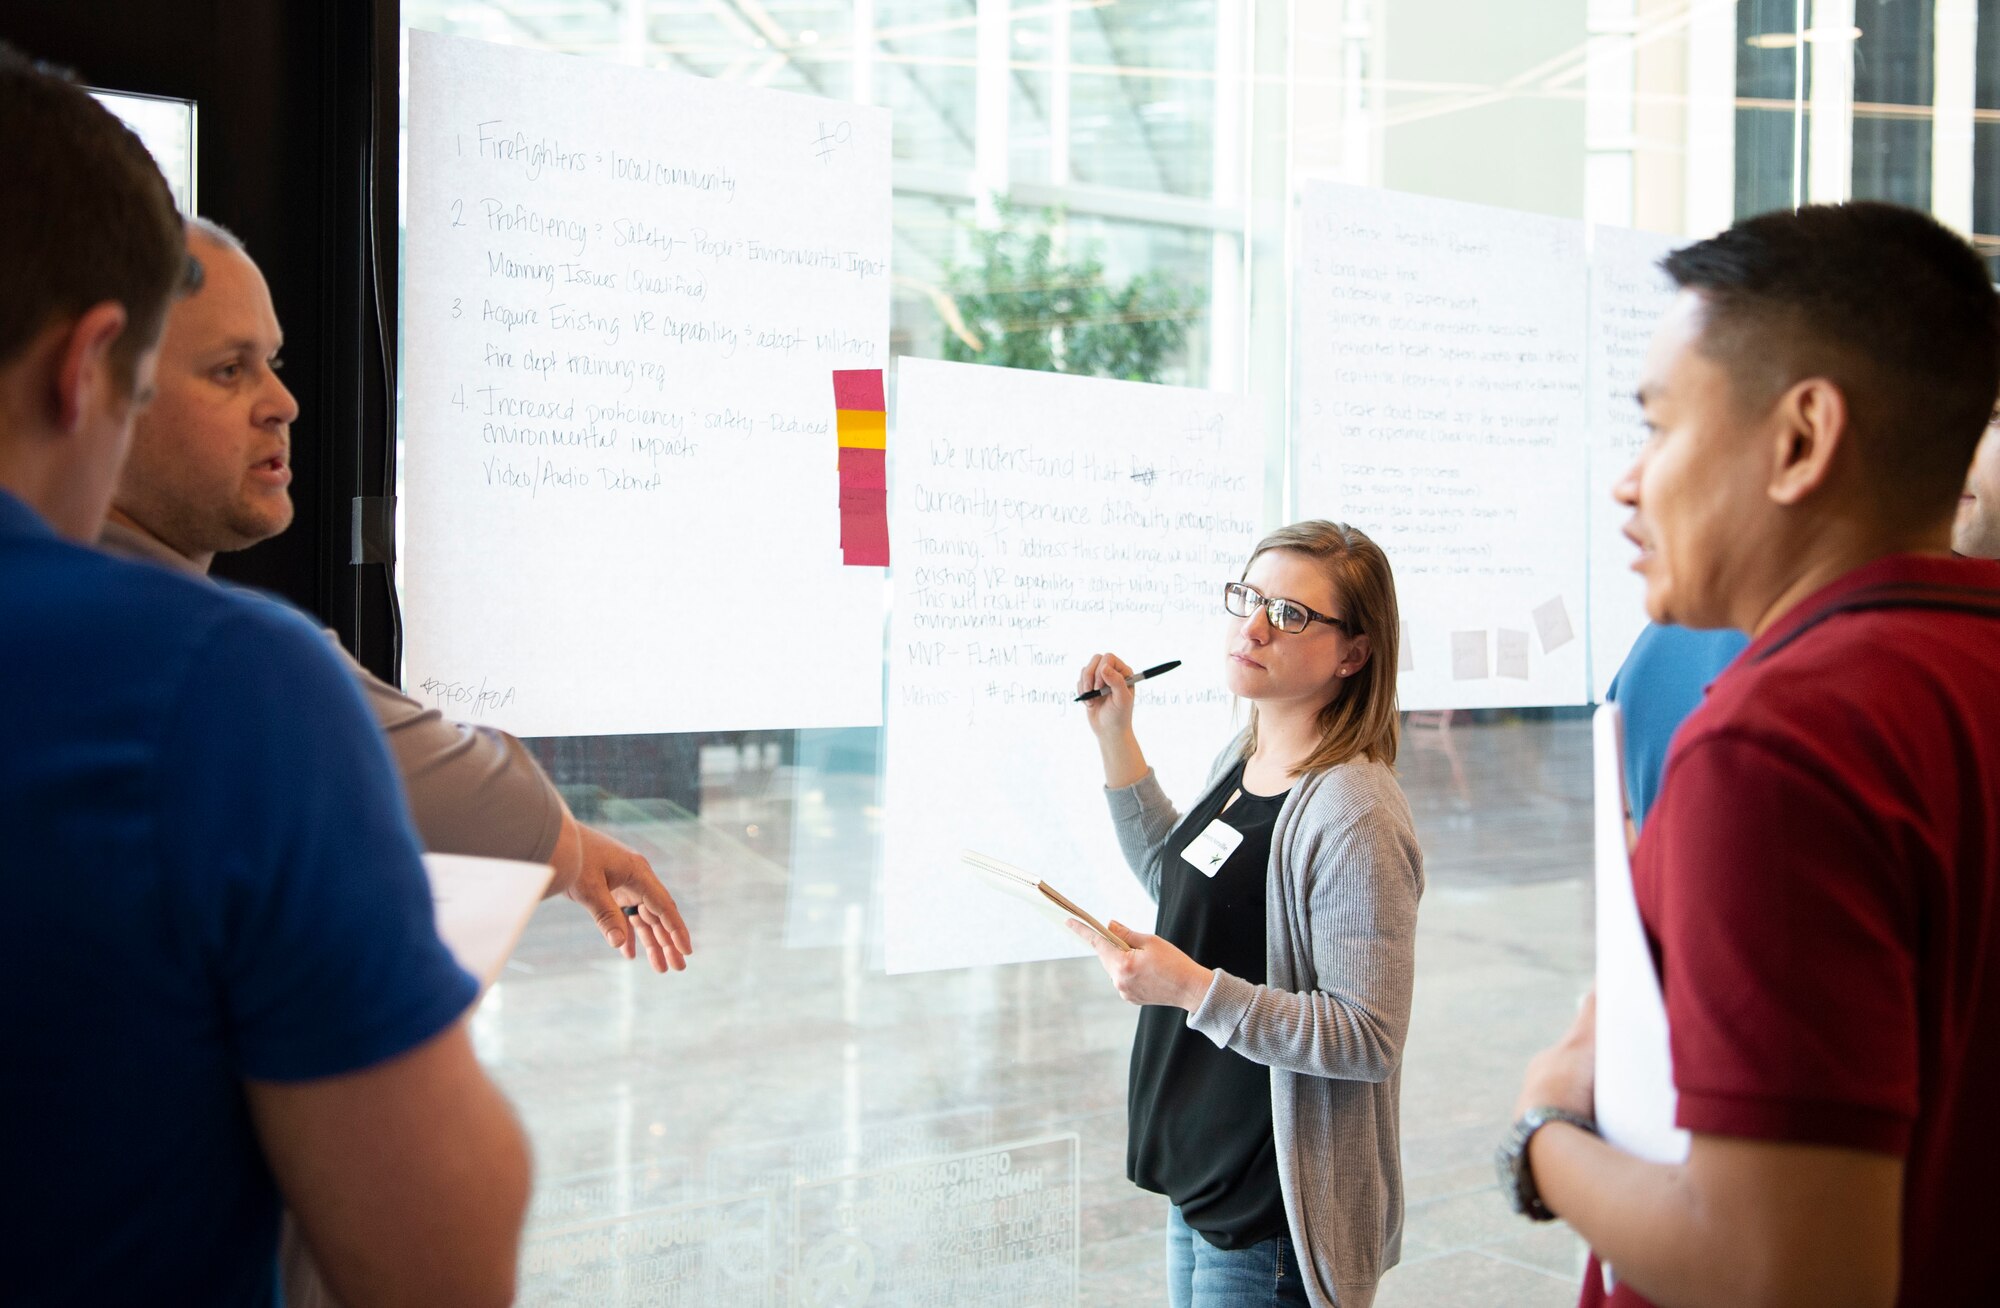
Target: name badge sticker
1207, 852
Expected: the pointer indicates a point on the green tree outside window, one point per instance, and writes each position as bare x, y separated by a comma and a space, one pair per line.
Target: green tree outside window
1022, 306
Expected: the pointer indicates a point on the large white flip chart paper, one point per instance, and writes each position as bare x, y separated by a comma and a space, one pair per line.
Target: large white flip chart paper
1441, 410
625, 293
1628, 294
1040, 519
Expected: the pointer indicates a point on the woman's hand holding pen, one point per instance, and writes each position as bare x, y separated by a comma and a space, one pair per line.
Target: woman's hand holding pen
1111, 712
1110, 718
1151, 971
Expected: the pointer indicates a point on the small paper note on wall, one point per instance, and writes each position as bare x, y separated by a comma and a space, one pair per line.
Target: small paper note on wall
861, 424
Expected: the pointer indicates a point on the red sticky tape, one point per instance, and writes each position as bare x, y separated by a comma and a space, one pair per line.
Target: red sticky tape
867, 554
862, 526
859, 388
863, 470
862, 479
863, 502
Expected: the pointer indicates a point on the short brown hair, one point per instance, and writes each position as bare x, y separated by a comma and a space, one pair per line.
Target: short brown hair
85, 216
1361, 720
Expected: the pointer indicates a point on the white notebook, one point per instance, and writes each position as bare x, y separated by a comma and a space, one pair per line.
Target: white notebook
483, 905
1036, 894
1635, 1064
1635, 1072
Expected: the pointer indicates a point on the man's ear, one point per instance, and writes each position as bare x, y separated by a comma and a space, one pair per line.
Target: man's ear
84, 366
1811, 427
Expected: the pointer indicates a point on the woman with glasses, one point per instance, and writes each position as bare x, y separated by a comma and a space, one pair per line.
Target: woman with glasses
1266, 1068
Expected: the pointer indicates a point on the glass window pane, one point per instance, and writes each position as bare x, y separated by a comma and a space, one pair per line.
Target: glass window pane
1986, 136
925, 55
166, 128
708, 1131
1894, 90
1033, 88
1485, 116
1143, 96
1769, 133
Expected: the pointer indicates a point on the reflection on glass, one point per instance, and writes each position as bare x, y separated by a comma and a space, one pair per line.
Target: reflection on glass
784, 1121
1057, 293
166, 128
836, 847
1143, 96
1894, 89
925, 56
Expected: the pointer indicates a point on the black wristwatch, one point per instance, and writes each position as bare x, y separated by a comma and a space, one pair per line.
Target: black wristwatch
1517, 1181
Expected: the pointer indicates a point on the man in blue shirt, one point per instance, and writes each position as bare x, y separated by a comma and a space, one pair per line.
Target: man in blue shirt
1663, 680
220, 981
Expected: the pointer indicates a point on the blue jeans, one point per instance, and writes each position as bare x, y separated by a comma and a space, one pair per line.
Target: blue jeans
1199, 1275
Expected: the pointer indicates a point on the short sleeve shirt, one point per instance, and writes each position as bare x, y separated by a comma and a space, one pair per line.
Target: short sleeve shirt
1663, 680
1820, 883
210, 879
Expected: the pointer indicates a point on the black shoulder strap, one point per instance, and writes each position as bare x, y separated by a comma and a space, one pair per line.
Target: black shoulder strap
1979, 601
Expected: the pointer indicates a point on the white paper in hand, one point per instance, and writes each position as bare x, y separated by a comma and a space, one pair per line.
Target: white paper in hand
1635, 1074
1635, 1062
1036, 894
483, 905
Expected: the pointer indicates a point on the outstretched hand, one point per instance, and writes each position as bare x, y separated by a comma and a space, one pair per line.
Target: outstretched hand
1150, 970
613, 876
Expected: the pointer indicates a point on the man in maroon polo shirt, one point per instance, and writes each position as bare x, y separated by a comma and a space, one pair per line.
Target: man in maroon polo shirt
1820, 879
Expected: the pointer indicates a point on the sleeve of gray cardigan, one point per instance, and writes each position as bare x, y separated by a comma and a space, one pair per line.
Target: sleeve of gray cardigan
471, 790
1145, 817
1366, 874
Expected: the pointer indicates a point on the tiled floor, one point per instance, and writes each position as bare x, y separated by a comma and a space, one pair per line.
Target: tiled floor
785, 1125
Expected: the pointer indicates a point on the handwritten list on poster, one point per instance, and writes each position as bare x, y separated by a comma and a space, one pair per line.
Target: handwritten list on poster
1628, 293
1040, 519
624, 292
1441, 410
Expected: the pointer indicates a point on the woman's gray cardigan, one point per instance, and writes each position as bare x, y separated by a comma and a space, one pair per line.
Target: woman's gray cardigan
1341, 921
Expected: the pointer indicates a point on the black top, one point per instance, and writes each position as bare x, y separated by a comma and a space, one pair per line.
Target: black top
1200, 1129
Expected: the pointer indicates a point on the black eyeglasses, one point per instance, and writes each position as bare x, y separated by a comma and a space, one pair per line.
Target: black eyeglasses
1288, 616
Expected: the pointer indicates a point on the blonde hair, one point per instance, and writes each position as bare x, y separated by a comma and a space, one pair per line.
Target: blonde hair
1360, 721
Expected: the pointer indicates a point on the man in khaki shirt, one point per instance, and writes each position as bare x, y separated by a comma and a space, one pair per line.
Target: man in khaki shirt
210, 472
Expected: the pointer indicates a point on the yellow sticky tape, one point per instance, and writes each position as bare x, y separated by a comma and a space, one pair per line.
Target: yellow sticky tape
861, 430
